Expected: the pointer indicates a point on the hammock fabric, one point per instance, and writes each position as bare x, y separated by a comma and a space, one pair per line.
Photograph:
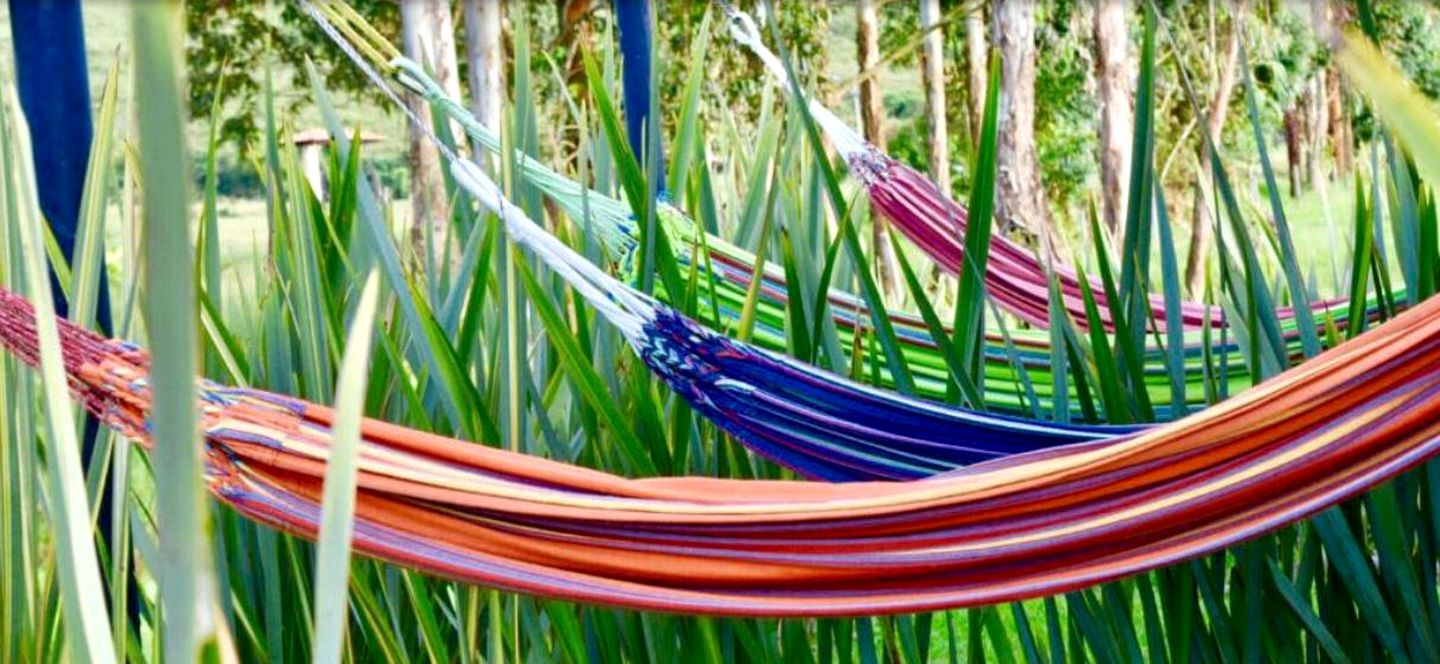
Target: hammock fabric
1029, 525
824, 427
936, 224
1034, 523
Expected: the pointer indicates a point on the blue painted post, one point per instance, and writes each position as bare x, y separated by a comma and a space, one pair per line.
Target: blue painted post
54, 86
634, 20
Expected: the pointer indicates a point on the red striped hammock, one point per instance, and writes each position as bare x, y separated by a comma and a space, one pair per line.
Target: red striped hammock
1020, 527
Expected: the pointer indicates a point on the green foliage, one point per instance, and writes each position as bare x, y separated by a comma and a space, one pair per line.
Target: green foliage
910, 142
1066, 135
232, 45
185, 567
1283, 56
736, 80
1409, 32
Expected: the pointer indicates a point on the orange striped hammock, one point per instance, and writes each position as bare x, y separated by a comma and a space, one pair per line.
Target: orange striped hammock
1019, 527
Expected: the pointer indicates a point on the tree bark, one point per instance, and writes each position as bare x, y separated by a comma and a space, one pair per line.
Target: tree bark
1112, 78
976, 67
1201, 222
483, 52
867, 42
443, 61
872, 114
932, 70
932, 74
1327, 19
429, 38
1292, 148
1020, 199
1340, 131
1319, 128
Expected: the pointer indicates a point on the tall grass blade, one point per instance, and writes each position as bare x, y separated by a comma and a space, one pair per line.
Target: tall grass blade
208, 250
587, 382
1294, 279
20, 559
337, 521
1135, 251
654, 252
970, 299
1174, 327
1360, 262
1404, 214
959, 372
688, 144
1429, 246
884, 330
1127, 357
77, 565
459, 395
185, 572
1301, 605
89, 261
1354, 569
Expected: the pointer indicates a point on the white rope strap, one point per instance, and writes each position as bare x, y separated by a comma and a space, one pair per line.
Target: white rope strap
848, 142
614, 215
625, 308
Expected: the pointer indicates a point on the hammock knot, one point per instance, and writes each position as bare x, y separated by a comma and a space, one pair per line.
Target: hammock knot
869, 165
683, 353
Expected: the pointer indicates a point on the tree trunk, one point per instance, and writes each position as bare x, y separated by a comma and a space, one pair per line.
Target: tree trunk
1020, 199
1340, 132
1201, 222
1112, 79
867, 42
976, 67
443, 61
1327, 19
1308, 130
932, 75
932, 70
429, 38
872, 114
1319, 126
437, 52
487, 71
1292, 149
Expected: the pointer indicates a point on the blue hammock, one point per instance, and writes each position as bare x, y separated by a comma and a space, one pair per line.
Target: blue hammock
826, 427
